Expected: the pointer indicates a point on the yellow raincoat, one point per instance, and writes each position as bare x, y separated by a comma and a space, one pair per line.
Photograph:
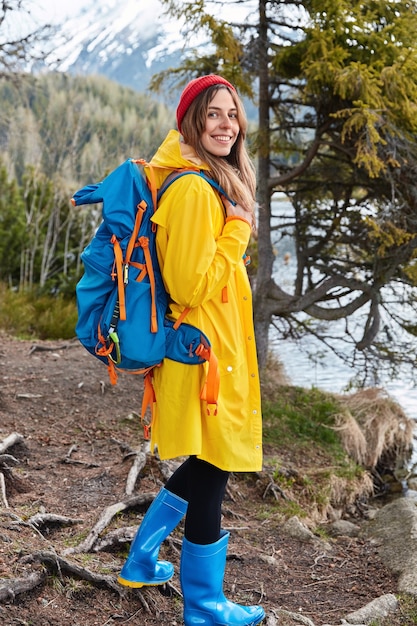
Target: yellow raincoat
200, 254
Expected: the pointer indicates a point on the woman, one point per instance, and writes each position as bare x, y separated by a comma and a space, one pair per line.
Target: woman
201, 243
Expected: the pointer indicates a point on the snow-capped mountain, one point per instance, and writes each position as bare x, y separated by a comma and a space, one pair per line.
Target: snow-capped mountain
127, 42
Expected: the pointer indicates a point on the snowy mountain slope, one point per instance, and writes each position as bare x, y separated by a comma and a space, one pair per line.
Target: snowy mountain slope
127, 43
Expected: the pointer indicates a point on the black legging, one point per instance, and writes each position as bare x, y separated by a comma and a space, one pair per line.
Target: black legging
202, 485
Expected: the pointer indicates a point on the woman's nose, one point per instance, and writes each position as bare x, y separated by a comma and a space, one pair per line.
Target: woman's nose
225, 121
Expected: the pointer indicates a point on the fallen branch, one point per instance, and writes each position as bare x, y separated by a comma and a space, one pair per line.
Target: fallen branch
106, 517
273, 487
115, 539
57, 565
138, 464
10, 441
28, 396
12, 587
8, 459
45, 348
45, 519
3, 491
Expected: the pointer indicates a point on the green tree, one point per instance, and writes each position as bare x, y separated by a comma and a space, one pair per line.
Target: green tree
57, 133
11, 228
76, 127
336, 91
40, 237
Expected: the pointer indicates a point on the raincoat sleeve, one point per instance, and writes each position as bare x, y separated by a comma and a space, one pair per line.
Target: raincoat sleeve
198, 248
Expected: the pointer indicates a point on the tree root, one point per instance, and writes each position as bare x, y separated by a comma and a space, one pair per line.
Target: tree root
106, 517
10, 441
46, 348
5, 461
12, 587
115, 539
138, 465
54, 564
58, 565
46, 519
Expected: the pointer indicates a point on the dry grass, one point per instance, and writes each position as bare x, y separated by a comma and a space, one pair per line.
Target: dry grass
346, 491
372, 437
352, 436
372, 425
333, 493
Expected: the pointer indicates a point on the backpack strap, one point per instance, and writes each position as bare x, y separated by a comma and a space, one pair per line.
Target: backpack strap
210, 391
152, 180
179, 173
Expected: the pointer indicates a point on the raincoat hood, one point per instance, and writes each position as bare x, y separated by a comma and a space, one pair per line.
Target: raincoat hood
174, 154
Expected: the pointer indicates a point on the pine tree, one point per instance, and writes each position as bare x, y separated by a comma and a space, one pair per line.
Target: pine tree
336, 93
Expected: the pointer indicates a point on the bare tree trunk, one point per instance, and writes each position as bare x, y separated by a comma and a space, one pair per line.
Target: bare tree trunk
265, 252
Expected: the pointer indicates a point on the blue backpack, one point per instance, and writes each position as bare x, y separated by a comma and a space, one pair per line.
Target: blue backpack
121, 299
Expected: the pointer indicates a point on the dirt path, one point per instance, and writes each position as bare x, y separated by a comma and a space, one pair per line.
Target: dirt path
72, 461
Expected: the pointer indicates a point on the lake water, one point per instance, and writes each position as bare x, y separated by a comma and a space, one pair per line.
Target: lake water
331, 374
327, 372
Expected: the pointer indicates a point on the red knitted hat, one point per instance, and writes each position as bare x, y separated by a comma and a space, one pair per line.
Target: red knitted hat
195, 87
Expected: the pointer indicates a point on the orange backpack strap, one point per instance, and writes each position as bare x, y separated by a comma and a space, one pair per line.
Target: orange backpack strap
141, 208
118, 257
144, 242
148, 400
210, 391
181, 318
152, 178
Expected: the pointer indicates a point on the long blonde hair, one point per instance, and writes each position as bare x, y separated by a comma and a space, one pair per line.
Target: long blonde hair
235, 172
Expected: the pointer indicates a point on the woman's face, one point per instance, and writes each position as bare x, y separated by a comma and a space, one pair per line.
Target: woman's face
222, 126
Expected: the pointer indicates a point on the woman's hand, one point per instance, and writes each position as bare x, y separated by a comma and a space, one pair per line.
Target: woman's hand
236, 210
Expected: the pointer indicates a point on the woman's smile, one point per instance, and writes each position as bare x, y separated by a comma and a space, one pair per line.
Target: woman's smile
222, 126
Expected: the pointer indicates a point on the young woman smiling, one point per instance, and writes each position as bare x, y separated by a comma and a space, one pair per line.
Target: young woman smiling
201, 242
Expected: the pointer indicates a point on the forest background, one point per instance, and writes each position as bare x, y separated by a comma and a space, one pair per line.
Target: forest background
335, 92
336, 89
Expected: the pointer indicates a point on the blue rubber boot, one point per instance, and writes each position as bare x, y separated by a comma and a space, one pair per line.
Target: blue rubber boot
142, 567
202, 572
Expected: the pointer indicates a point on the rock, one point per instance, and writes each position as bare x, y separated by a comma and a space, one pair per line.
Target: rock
294, 528
343, 528
343, 622
378, 608
287, 618
412, 484
395, 530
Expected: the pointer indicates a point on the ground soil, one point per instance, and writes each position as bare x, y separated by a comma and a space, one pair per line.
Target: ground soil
76, 430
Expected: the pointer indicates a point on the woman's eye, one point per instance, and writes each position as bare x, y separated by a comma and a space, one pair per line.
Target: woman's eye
215, 115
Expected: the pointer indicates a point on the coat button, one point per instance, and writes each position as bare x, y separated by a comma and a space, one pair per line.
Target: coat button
229, 368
